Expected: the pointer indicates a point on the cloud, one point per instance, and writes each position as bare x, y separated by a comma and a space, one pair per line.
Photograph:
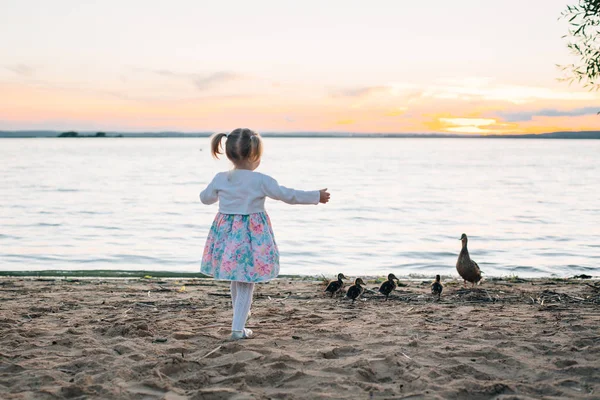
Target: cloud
21, 69
467, 89
202, 82
360, 91
468, 121
477, 90
396, 112
467, 125
521, 116
468, 129
464, 90
207, 82
472, 125
166, 72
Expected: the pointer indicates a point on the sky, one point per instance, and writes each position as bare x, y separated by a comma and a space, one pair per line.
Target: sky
406, 66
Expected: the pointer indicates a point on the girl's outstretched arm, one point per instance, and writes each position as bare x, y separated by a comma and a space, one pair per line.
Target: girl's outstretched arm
210, 195
273, 190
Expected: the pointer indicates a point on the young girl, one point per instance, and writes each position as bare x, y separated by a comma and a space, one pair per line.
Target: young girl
241, 246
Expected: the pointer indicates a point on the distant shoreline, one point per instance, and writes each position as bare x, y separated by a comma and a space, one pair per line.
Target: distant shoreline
112, 135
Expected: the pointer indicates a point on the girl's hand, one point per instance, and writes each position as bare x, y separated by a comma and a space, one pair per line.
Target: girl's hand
324, 196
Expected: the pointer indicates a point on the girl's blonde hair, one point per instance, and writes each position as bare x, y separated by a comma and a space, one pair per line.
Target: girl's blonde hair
240, 145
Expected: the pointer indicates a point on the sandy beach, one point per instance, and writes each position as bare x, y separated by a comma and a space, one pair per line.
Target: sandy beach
166, 339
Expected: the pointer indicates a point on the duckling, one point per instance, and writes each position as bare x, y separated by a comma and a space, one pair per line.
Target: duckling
436, 287
467, 268
355, 290
336, 286
388, 286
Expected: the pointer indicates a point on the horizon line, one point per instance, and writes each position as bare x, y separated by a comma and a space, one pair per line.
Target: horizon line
290, 133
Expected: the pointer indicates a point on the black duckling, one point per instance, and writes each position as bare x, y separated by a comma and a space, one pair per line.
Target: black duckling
355, 290
388, 286
336, 286
467, 268
436, 287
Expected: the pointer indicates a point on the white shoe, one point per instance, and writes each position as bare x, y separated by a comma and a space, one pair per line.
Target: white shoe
245, 334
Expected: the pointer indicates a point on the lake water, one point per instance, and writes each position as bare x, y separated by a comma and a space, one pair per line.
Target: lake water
530, 207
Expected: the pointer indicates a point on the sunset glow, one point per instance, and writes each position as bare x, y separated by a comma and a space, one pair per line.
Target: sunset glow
71, 65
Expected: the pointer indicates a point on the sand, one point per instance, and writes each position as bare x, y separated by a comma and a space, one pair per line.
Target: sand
151, 339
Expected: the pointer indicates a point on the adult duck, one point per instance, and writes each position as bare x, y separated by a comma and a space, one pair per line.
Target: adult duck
336, 286
355, 290
388, 286
467, 268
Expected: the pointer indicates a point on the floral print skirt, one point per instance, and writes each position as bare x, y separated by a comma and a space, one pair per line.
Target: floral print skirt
241, 248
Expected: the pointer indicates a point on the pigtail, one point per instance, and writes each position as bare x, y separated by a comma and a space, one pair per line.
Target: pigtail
216, 147
256, 147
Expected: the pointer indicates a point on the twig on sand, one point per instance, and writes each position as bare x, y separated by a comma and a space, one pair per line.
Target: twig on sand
488, 295
405, 356
145, 304
285, 298
161, 376
126, 311
210, 352
219, 294
593, 287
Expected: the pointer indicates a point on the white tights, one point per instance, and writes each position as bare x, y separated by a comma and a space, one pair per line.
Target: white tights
241, 299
